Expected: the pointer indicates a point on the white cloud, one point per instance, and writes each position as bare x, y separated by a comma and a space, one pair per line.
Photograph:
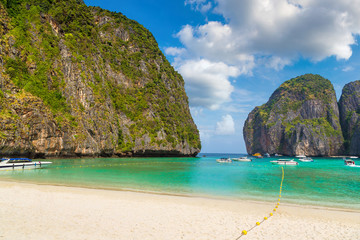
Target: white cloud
315, 29
196, 111
199, 5
174, 51
277, 63
207, 83
215, 41
226, 126
269, 33
348, 69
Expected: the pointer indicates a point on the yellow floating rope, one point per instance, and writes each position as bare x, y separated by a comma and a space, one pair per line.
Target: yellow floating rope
245, 232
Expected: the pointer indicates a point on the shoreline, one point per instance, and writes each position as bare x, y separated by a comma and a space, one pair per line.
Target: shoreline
126, 156
63, 212
189, 195
114, 156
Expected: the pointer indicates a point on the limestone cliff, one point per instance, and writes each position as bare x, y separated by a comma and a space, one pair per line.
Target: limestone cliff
349, 106
301, 117
83, 81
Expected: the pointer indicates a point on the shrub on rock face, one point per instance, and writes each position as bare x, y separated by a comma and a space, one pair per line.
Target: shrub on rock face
301, 117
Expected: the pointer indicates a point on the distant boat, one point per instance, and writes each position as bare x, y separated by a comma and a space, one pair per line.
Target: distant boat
306, 159
277, 155
353, 157
285, 162
300, 156
224, 160
349, 162
20, 163
266, 155
257, 155
242, 159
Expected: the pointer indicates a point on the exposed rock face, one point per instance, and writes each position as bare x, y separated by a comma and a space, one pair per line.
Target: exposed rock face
349, 106
83, 81
301, 117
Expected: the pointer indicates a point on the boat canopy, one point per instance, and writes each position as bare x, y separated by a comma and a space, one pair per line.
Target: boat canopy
349, 161
19, 160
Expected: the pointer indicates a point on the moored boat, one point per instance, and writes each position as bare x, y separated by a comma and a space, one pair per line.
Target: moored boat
224, 160
285, 162
257, 155
242, 159
306, 159
21, 163
350, 163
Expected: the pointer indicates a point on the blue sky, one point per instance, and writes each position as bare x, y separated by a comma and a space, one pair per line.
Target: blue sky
233, 54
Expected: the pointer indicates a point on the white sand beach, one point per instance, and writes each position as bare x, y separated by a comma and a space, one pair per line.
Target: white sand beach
30, 211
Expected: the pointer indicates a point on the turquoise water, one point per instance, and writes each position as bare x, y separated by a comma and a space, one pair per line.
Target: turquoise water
324, 182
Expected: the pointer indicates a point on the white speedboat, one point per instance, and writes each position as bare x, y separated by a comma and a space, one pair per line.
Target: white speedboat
224, 160
350, 163
285, 162
354, 157
20, 163
242, 159
300, 156
306, 159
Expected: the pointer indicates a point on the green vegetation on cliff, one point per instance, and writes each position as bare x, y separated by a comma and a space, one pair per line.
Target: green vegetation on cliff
90, 65
301, 117
301, 89
349, 105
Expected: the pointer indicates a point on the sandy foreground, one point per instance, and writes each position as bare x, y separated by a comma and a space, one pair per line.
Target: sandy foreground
30, 211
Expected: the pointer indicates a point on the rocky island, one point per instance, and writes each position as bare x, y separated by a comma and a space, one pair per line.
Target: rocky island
349, 106
83, 81
300, 118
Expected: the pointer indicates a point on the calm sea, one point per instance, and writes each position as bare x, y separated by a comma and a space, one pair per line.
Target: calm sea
324, 182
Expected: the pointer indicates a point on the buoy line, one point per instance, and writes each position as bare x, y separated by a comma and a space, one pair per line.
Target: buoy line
245, 232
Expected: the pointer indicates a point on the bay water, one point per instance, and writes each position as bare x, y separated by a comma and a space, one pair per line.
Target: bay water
324, 182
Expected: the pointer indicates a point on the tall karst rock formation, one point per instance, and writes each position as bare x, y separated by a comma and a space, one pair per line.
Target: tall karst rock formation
349, 106
82, 81
301, 117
